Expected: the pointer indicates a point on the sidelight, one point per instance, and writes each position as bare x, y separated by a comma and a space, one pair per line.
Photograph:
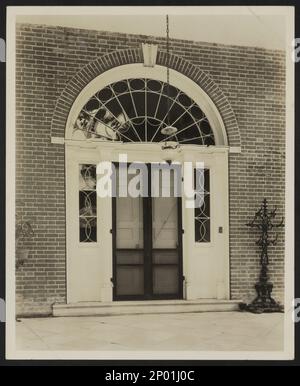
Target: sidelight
87, 203
202, 207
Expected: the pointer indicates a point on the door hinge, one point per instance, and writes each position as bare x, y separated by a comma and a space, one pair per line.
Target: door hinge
112, 281
111, 231
182, 231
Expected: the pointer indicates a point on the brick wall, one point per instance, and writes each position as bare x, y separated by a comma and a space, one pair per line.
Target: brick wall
252, 79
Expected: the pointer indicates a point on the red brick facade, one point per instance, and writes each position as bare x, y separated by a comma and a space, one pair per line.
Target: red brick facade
54, 63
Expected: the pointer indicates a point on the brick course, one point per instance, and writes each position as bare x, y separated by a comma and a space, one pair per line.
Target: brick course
54, 63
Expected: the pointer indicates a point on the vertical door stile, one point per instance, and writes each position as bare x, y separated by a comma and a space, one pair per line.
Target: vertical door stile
147, 213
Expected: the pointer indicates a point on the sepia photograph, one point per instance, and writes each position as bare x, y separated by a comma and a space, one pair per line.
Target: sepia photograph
149, 182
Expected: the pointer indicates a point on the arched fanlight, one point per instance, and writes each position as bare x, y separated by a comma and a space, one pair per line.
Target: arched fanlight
144, 110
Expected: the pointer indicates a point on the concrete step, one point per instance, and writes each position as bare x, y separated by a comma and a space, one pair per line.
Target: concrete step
143, 307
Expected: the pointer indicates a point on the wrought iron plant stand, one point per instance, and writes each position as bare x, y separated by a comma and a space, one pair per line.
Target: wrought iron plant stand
263, 222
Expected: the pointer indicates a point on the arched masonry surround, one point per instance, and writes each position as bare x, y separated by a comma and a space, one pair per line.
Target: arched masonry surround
129, 56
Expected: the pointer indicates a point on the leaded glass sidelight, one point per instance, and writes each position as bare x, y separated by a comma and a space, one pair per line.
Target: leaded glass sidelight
87, 203
202, 205
136, 110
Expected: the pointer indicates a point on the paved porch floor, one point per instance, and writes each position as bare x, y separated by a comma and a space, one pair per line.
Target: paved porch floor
206, 331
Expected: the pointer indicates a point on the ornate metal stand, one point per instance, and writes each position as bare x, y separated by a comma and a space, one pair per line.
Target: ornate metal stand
264, 301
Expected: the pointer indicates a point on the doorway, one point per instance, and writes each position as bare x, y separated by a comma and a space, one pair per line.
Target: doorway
147, 241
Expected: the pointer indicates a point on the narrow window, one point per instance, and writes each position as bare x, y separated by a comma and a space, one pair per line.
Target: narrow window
87, 204
202, 205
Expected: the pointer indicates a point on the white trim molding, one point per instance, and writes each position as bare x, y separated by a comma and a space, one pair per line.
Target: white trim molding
235, 149
58, 140
178, 80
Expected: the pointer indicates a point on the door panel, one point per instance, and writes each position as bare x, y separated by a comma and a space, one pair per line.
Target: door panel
129, 222
129, 240
166, 251
130, 280
164, 219
165, 279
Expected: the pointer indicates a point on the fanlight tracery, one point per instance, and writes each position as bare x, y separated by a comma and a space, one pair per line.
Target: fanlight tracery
137, 110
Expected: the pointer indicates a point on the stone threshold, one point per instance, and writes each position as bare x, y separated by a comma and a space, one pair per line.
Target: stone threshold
144, 307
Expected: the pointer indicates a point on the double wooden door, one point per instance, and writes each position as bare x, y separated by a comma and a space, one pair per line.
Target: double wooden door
147, 245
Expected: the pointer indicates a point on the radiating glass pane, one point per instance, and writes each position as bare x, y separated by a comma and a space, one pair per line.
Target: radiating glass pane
134, 103
105, 94
139, 101
154, 86
126, 101
152, 101
163, 106
120, 87
137, 84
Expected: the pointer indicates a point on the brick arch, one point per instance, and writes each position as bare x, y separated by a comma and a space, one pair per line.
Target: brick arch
128, 56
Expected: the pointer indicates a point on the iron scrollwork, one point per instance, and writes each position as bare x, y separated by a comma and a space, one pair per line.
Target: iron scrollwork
263, 221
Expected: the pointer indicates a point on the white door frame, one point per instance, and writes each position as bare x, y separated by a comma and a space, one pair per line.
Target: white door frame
89, 265
138, 70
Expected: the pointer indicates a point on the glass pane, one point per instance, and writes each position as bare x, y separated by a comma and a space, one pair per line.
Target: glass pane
165, 257
165, 280
87, 229
87, 177
130, 280
87, 203
129, 218
165, 232
164, 210
202, 230
130, 257
130, 103
202, 206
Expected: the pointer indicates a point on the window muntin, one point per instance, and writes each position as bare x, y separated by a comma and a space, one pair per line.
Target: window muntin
135, 110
